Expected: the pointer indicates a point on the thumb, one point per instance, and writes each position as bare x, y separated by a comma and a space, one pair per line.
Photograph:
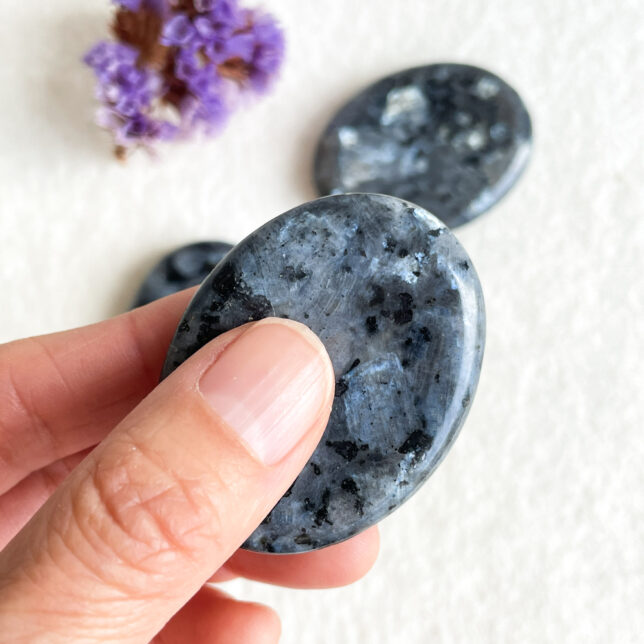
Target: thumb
172, 492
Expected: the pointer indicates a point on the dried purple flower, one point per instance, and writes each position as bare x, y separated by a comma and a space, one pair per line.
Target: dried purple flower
178, 66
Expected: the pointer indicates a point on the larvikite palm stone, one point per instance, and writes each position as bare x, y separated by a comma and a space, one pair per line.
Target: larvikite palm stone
451, 138
398, 305
185, 267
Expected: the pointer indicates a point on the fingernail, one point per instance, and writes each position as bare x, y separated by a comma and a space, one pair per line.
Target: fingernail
269, 386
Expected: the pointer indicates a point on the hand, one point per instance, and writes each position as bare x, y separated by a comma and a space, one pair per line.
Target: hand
184, 471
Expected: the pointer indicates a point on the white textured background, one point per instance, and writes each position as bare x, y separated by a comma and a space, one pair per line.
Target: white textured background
532, 530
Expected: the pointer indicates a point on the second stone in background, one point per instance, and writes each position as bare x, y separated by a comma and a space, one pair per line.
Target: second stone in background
182, 268
452, 138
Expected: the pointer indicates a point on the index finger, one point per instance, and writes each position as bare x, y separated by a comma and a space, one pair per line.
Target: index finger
64, 392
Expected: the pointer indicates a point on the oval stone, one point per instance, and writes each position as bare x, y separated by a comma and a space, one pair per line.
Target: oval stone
185, 267
398, 305
451, 138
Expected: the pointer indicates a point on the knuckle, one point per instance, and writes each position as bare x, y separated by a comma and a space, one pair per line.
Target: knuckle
143, 513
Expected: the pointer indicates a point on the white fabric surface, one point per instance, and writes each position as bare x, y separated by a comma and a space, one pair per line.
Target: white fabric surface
532, 529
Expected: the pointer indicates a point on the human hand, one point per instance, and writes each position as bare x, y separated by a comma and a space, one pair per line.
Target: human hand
184, 471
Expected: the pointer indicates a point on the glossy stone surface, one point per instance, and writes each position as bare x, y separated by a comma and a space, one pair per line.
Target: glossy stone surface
185, 267
450, 138
398, 305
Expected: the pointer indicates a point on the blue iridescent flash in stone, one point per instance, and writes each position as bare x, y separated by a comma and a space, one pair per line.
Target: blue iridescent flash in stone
451, 138
398, 305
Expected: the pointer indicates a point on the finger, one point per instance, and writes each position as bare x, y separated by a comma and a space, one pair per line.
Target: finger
172, 492
62, 393
212, 617
22, 501
222, 575
331, 567
337, 565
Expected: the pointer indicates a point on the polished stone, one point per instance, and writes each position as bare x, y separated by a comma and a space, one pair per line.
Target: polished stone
185, 267
398, 305
450, 138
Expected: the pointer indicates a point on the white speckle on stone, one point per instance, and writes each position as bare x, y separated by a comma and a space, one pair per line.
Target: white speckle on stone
476, 139
406, 102
443, 133
486, 88
499, 131
463, 118
405, 268
348, 136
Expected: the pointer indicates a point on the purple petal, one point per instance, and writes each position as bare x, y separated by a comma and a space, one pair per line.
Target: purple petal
205, 27
241, 46
178, 31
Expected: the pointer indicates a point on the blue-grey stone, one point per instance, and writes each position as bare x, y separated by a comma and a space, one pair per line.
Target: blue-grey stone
185, 267
398, 305
451, 138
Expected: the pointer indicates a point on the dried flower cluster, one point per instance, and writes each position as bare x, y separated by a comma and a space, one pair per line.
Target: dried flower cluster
179, 66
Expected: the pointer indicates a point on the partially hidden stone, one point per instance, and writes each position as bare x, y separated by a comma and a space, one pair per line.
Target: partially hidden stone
185, 267
398, 305
451, 138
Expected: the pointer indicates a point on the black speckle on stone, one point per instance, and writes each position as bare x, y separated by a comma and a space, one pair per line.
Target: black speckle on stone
322, 514
390, 244
309, 506
316, 468
418, 443
184, 327
402, 253
292, 274
406, 300
437, 378
465, 266
378, 295
341, 388
466, 401
226, 282
405, 314
350, 486
435, 232
347, 449
303, 539
290, 490
347, 269
354, 364
267, 520
266, 545
372, 324
408, 342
